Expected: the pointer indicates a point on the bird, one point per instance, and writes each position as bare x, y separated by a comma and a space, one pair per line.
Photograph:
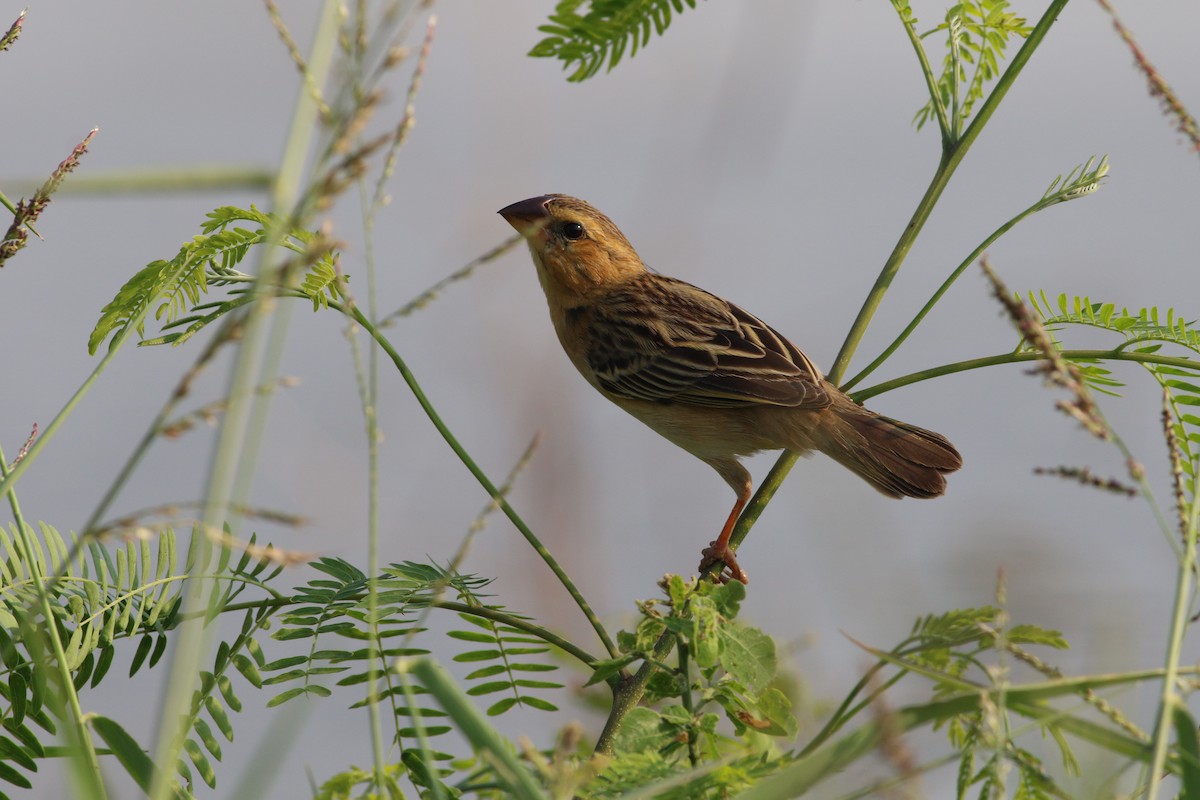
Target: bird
706, 375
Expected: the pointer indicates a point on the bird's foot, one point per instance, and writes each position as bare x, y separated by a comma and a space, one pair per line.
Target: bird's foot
718, 552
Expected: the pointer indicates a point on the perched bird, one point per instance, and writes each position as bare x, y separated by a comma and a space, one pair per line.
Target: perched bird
705, 374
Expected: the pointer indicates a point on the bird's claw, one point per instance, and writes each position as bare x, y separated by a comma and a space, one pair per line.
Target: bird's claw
720, 553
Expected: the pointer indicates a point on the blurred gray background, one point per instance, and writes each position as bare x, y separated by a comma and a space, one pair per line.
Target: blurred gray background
762, 150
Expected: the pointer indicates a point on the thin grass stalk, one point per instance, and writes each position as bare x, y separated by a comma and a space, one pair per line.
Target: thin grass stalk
1170, 698
230, 458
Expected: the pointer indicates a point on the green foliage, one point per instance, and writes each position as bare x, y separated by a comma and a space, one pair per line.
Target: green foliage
100, 597
604, 33
337, 606
1144, 331
712, 713
719, 699
977, 36
174, 289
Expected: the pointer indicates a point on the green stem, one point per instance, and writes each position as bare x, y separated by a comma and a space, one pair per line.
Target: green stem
241, 428
931, 81
1170, 699
629, 693
685, 696
1115, 354
952, 155
479, 474
586, 658
945, 287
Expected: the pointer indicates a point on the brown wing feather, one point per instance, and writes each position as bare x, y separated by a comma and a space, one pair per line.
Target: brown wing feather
661, 339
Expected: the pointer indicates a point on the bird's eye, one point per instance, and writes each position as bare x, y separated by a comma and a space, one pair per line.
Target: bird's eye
572, 230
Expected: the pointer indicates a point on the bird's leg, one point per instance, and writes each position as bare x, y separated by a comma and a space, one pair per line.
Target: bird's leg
718, 550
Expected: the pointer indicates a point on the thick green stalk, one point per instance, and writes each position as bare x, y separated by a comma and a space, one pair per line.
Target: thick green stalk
231, 461
629, 693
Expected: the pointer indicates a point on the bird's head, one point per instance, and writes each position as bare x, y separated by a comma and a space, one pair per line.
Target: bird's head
574, 246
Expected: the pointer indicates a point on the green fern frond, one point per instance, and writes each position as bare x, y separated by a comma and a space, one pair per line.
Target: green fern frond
509, 661
604, 33
978, 33
321, 284
1080, 182
104, 594
174, 289
1146, 330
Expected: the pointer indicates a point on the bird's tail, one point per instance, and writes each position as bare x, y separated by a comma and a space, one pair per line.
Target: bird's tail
898, 459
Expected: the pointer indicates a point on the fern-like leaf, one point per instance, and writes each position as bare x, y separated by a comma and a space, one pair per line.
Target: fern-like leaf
321, 284
977, 35
174, 290
1145, 330
604, 33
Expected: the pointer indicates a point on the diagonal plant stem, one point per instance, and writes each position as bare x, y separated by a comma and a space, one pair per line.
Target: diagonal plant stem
479, 474
945, 287
629, 692
952, 155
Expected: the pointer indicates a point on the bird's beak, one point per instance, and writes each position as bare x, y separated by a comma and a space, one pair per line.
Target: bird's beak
527, 216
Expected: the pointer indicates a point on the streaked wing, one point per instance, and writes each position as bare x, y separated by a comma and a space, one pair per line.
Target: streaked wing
661, 339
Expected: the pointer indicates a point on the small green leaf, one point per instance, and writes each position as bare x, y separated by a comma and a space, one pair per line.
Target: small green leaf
11, 751
102, 664
1189, 753
748, 654
500, 707
219, 717
200, 761
472, 636
139, 656
728, 598
777, 709
207, 739
17, 689
538, 703
608, 667
642, 731
489, 688
528, 684
248, 669
1032, 634
10, 775
284, 696
126, 749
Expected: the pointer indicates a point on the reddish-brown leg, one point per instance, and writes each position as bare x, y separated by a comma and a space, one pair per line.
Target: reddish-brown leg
718, 551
